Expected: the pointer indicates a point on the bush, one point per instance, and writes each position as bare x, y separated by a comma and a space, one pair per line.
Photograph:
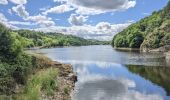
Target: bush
43, 81
10, 44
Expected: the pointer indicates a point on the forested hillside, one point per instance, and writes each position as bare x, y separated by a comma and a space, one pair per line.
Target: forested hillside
149, 33
27, 76
40, 39
34, 39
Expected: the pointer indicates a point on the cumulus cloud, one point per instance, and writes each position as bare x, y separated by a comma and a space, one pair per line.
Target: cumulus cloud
4, 2
88, 31
99, 6
20, 10
103, 5
103, 26
21, 23
92, 7
77, 20
5, 21
19, 1
82, 8
41, 20
2, 18
59, 0
59, 9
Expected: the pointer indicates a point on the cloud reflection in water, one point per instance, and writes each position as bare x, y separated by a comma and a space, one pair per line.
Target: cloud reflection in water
97, 86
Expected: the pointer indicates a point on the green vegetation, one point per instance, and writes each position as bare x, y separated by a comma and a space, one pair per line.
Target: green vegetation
16, 67
40, 39
42, 81
150, 32
157, 75
19, 70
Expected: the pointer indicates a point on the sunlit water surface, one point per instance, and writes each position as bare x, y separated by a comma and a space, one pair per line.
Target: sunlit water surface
108, 74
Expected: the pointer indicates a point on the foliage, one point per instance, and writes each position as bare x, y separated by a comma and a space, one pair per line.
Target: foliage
44, 80
150, 32
54, 39
10, 43
16, 66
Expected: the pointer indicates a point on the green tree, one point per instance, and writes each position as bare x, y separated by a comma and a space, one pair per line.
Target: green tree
10, 43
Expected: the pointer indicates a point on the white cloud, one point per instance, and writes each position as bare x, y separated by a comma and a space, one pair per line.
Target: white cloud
88, 31
4, 2
95, 86
92, 7
42, 20
103, 5
59, 9
4, 21
38, 18
77, 20
146, 14
2, 18
44, 8
21, 23
103, 26
60, 1
20, 10
19, 1
10, 11
82, 8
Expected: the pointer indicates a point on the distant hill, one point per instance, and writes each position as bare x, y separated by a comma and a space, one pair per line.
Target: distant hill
41, 39
55, 39
148, 33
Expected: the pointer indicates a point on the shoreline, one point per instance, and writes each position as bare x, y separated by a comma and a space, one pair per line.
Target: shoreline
66, 78
61, 73
127, 49
164, 50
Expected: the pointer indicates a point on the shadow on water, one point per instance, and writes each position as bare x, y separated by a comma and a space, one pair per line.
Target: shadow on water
157, 75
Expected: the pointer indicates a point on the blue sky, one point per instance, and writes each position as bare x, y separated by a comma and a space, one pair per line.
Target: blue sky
92, 19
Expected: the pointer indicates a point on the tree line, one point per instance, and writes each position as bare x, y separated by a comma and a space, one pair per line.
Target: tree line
150, 32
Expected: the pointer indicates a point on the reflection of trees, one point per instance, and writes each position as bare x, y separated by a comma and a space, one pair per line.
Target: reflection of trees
157, 75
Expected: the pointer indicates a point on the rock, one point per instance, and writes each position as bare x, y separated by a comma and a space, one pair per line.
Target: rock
165, 48
72, 77
168, 58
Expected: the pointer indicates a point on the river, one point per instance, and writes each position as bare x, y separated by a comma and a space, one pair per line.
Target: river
107, 74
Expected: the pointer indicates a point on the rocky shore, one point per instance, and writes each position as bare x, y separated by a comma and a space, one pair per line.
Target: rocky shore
66, 82
164, 49
167, 56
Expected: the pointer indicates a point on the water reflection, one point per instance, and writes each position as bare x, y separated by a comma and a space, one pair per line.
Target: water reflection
109, 81
104, 54
158, 75
101, 75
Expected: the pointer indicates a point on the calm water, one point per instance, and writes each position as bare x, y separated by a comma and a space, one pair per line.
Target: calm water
107, 74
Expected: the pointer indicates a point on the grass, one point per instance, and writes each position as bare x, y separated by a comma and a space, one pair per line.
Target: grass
43, 81
66, 90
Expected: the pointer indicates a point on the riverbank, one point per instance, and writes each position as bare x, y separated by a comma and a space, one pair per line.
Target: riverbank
165, 50
65, 80
127, 49
167, 55
50, 80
